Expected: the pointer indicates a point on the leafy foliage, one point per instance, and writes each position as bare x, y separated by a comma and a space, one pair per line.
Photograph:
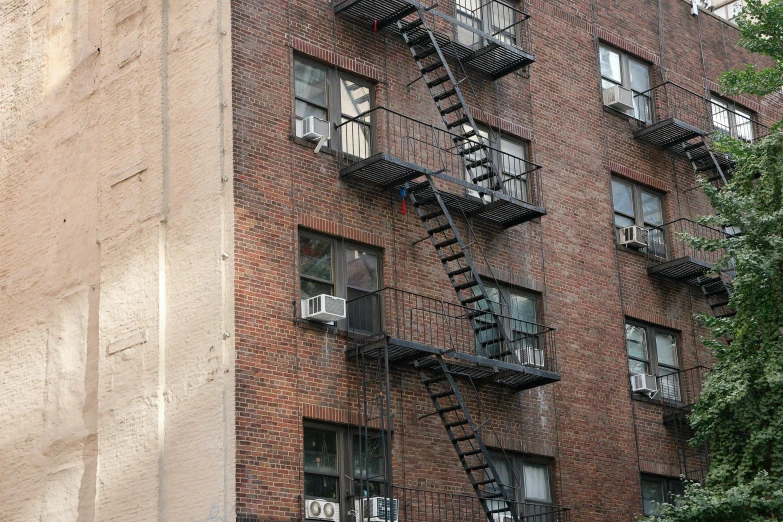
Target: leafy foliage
761, 28
740, 410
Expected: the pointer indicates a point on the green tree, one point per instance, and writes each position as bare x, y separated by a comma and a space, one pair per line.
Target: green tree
740, 410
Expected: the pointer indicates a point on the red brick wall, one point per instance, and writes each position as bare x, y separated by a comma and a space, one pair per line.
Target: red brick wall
285, 372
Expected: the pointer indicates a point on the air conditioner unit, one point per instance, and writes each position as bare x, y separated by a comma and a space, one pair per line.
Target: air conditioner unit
618, 98
633, 237
644, 383
316, 129
320, 509
324, 308
376, 509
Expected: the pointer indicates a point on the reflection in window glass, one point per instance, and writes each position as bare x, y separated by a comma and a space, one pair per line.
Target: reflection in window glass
652, 495
310, 89
368, 466
321, 465
622, 196
315, 267
636, 342
355, 100
667, 349
610, 65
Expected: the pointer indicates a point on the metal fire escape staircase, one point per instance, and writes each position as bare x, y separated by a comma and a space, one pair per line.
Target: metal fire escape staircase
495, 497
460, 269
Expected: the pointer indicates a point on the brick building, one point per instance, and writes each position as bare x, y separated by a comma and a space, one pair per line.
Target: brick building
498, 201
517, 176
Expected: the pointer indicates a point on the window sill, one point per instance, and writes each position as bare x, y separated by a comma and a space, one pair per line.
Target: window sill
617, 113
311, 145
642, 398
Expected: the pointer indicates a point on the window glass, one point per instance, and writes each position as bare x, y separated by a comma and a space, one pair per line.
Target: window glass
652, 496
666, 344
310, 82
362, 269
636, 342
321, 464
652, 209
504, 469
610, 65
720, 116
514, 168
639, 76
368, 466
622, 196
537, 483
744, 125
315, 266
469, 12
503, 22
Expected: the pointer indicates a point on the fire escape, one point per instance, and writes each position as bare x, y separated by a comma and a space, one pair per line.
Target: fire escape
446, 172
685, 123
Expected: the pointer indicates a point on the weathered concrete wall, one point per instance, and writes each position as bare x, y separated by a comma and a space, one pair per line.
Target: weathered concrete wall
116, 377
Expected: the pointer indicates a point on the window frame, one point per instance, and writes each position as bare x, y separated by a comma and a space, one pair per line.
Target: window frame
732, 110
495, 138
667, 488
652, 361
518, 462
333, 108
638, 208
346, 478
467, 17
625, 80
340, 247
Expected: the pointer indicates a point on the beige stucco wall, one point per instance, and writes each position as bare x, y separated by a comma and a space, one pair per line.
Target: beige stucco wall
116, 376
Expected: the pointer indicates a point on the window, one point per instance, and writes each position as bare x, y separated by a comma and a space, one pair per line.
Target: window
332, 95
636, 205
503, 20
729, 118
528, 480
329, 452
620, 69
729, 10
522, 316
659, 490
332, 266
654, 351
511, 159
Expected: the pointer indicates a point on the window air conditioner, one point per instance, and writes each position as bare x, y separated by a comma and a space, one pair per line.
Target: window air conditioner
633, 237
322, 510
376, 509
316, 129
323, 308
618, 98
644, 383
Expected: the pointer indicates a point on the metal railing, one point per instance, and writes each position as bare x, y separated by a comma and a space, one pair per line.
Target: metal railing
420, 505
434, 323
681, 389
669, 100
479, 22
667, 243
383, 131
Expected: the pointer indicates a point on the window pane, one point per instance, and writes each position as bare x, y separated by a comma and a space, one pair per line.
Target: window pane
368, 462
642, 108
537, 483
622, 221
320, 451
622, 196
744, 125
667, 349
354, 98
637, 367
610, 65
523, 308
504, 469
652, 496
720, 116
362, 270
652, 208
355, 139
656, 244
320, 486
514, 168
315, 258
310, 82
640, 76
636, 340
313, 288
669, 383
503, 27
